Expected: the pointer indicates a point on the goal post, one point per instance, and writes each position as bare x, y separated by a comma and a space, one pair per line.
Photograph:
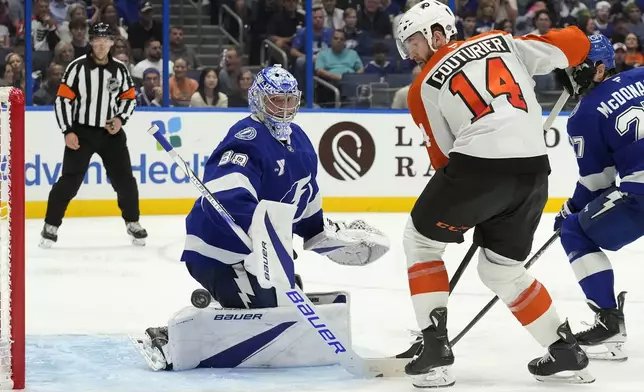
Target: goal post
12, 238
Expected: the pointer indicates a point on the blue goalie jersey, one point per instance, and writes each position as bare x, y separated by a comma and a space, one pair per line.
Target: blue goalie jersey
247, 166
607, 132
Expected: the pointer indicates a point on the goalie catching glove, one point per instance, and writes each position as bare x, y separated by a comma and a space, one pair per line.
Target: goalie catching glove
355, 244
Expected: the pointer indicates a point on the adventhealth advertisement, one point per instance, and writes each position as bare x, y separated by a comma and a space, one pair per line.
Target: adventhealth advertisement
368, 162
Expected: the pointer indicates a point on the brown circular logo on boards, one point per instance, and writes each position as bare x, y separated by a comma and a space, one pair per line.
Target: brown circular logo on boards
347, 151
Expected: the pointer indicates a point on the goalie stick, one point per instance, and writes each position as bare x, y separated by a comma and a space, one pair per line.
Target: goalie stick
348, 358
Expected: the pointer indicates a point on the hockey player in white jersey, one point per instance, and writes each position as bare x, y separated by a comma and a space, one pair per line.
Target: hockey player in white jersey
475, 102
264, 163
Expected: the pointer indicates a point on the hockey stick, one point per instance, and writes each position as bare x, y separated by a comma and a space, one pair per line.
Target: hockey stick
349, 359
494, 300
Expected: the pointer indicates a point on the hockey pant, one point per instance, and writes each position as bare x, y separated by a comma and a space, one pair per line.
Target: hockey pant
611, 221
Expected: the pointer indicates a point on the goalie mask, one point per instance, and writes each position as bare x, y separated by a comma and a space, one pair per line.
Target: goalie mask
420, 19
274, 99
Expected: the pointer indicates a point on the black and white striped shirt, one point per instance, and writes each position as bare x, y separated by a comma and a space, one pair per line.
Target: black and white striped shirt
90, 94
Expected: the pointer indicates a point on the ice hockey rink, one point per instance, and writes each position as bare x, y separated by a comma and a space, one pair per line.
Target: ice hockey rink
93, 289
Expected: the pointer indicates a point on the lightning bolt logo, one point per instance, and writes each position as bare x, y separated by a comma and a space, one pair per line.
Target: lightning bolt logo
612, 197
243, 285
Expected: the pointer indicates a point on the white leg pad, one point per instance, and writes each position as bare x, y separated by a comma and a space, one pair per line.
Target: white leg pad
255, 338
424, 257
508, 279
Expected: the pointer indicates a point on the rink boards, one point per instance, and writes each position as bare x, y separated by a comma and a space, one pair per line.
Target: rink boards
369, 161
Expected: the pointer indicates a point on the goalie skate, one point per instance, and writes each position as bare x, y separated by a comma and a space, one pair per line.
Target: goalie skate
152, 348
606, 337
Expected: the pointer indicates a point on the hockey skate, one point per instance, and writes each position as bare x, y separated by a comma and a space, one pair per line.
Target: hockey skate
605, 338
137, 233
154, 348
564, 362
432, 367
48, 236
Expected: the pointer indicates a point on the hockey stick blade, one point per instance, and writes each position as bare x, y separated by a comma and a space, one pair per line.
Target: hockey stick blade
348, 358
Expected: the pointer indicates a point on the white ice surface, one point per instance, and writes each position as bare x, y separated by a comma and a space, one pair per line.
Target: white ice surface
85, 295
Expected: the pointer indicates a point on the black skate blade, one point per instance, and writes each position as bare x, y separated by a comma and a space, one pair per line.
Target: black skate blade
568, 377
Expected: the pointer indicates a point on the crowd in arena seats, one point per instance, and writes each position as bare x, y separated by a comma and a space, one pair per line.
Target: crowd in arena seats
354, 51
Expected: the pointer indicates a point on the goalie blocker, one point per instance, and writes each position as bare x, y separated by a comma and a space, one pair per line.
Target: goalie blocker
271, 334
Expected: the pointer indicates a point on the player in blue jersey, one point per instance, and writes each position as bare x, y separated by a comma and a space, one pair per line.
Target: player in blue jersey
606, 130
264, 157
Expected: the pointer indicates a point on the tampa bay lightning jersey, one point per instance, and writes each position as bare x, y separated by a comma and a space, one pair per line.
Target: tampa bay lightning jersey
607, 132
247, 166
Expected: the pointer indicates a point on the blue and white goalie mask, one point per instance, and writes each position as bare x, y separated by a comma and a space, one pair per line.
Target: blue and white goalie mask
274, 99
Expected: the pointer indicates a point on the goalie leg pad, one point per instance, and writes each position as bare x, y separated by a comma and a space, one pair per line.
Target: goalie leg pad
428, 279
526, 297
255, 338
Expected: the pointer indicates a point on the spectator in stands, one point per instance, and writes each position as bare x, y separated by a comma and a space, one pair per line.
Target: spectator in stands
110, 15
602, 18
333, 16
334, 62
356, 39
507, 10
542, 22
621, 30
144, 30
18, 70
245, 14
181, 86
467, 28
208, 94
239, 98
572, 8
153, 59
380, 64
283, 26
58, 10
321, 40
634, 56
95, 10
122, 57
43, 28
587, 24
6, 26
7, 77
46, 95
150, 94
121, 45
64, 53
178, 49
374, 21
400, 98
75, 11
230, 71
78, 29
263, 12
485, 16
635, 24
620, 58
6, 19
505, 25
525, 22
391, 8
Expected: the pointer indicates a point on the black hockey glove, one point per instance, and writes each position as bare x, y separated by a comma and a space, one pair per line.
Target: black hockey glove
576, 80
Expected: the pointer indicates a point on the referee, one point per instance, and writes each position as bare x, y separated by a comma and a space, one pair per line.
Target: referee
95, 99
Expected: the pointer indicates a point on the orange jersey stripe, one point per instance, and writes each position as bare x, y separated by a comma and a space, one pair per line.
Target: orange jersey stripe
65, 91
570, 40
531, 304
428, 277
129, 94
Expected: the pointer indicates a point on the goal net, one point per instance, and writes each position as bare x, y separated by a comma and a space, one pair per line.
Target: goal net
12, 244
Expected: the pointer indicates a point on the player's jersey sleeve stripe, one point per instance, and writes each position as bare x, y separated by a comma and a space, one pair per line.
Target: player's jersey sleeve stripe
571, 41
313, 207
196, 244
596, 181
637, 176
231, 181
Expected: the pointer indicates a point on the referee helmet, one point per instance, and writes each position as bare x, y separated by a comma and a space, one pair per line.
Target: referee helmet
100, 30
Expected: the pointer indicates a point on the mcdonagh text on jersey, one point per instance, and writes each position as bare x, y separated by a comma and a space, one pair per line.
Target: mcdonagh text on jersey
620, 97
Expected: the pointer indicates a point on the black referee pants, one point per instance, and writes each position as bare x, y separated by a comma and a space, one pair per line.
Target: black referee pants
116, 158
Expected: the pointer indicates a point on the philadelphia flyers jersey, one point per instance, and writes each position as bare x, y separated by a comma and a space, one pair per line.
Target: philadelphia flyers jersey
476, 97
